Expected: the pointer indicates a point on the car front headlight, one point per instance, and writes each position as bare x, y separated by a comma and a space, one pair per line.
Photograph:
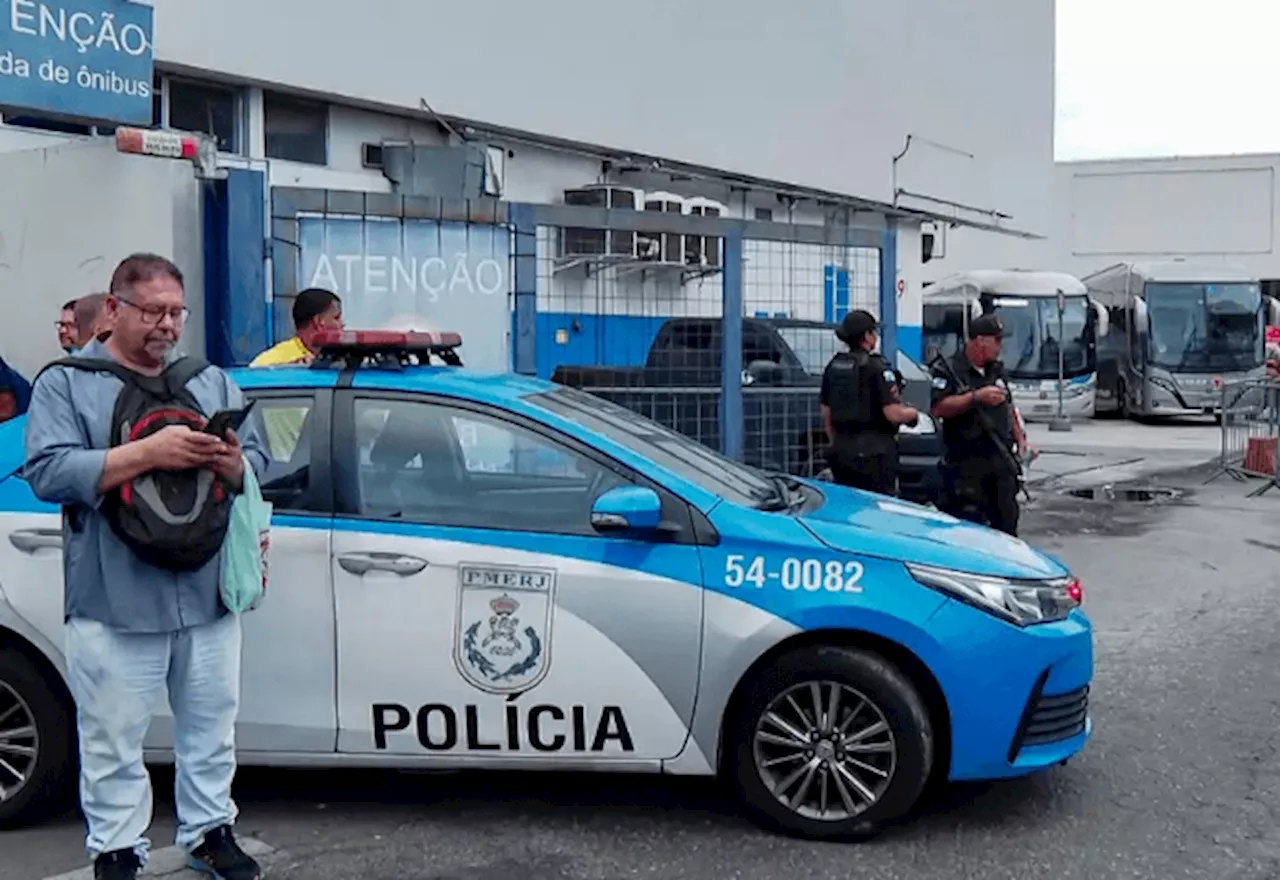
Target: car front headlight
1019, 602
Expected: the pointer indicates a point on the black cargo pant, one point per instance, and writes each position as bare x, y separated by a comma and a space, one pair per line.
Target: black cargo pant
864, 463
983, 491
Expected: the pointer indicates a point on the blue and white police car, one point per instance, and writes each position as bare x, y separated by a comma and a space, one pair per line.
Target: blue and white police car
480, 571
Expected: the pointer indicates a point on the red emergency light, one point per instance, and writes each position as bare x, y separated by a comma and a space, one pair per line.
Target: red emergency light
384, 339
385, 347
167, 144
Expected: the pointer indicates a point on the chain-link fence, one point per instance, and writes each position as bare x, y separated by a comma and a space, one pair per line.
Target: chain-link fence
719, 329
1250, 431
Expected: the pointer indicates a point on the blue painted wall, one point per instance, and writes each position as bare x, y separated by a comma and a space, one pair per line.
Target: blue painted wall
603, 340
237, 318
911, 341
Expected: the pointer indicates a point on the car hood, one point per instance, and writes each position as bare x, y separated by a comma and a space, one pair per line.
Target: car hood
853, 521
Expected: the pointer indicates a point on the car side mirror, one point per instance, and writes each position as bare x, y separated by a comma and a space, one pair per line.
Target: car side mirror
764, 372
633, 510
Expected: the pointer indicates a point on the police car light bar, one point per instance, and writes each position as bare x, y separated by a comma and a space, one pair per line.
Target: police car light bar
195, 148
385, 347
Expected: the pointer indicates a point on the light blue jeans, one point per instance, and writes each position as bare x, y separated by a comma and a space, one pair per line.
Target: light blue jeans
116, 679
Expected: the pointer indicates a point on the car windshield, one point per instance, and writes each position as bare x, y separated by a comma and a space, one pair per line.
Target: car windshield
677, 453
1205, 326
1032, 336
814, 345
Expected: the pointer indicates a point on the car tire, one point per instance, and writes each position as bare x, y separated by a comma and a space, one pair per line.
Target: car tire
49, 786
891, 701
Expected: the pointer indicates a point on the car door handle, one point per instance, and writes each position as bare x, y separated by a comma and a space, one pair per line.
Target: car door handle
31, 540
396, 563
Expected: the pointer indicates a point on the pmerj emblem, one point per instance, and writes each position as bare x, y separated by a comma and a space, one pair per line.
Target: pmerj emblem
503, 633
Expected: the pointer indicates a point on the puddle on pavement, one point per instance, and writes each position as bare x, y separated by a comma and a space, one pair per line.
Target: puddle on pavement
1128, 494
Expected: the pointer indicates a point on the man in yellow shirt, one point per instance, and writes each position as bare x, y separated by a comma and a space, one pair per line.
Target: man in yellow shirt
314, 310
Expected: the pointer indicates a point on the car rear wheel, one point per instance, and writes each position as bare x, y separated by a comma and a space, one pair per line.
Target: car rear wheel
37, 770
832, 744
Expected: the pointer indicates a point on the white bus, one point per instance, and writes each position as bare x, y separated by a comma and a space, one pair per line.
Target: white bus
1027, 303
1178, 331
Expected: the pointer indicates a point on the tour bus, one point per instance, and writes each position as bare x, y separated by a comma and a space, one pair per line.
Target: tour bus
1179, 330
1027, 303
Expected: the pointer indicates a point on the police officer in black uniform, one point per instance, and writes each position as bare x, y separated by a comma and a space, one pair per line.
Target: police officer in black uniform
862, 410
981, 483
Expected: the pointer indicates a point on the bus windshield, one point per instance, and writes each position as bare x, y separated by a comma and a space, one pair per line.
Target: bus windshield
1202, 327
1032, 337
1030, 349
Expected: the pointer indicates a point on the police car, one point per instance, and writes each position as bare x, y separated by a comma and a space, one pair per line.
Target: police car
480, 571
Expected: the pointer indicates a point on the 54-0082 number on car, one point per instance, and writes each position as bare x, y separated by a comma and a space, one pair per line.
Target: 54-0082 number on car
809, 575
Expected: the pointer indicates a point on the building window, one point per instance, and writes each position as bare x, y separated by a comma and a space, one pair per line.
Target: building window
764, 214
206, 108
297, 131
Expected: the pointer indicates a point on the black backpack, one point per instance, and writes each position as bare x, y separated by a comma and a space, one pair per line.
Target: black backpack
175, 520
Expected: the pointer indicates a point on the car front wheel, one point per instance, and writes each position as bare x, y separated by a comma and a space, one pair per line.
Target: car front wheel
37, 771
832, 744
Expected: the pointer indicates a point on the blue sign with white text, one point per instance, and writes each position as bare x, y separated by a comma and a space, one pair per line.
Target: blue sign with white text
415, 275
88, 59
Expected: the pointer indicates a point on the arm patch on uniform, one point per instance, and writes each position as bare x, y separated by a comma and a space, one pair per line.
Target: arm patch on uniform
890, 376
940, 383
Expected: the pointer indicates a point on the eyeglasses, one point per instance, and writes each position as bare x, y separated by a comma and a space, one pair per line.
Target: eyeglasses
155, 316
65, 325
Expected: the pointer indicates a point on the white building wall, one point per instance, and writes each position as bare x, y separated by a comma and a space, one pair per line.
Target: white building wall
70, 214
696, 83
1210, 209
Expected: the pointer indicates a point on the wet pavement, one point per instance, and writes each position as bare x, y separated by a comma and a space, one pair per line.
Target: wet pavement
1181, 779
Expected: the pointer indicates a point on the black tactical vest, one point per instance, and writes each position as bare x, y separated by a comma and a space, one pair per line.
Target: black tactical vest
851, 392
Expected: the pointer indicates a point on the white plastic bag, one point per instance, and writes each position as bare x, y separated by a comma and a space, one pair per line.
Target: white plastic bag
246, 549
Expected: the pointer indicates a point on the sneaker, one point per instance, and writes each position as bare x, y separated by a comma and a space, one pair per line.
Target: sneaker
122, 864
222, 857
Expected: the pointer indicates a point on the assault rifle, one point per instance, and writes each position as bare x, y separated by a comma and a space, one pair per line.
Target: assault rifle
984, 418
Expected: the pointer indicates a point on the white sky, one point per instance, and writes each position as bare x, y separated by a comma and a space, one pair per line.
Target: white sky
1167, 77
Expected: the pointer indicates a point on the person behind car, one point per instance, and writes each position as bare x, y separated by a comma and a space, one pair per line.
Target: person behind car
66, 327
135, 631
981, 483
314, 310
15, 392
862, 410
91, 319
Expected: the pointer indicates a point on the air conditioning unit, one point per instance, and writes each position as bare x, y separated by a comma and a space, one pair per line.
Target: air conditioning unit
580, 242
664, 247
704, 251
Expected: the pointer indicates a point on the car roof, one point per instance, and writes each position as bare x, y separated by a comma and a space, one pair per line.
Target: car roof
481, 386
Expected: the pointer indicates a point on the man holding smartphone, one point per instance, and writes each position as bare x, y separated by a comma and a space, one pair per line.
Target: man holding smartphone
135, 629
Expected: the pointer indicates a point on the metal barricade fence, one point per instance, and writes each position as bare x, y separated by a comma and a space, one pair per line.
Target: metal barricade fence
1250, 432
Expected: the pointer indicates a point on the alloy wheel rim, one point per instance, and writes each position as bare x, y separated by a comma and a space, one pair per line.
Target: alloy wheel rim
825, 751
19, 743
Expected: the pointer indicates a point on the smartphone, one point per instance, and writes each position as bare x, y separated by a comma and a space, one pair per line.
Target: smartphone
225, 420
